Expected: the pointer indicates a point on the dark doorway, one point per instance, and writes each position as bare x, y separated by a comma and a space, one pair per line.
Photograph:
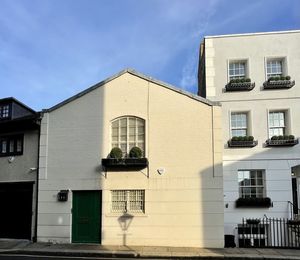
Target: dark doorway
16, 210
295, 195
86, 217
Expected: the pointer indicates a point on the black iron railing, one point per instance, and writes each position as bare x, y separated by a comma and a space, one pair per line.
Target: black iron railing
269, 232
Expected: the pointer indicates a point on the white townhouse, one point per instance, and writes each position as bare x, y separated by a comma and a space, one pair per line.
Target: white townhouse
256, 78
132, 161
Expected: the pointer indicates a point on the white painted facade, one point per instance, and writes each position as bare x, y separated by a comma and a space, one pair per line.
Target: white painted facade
183, 203
276, 162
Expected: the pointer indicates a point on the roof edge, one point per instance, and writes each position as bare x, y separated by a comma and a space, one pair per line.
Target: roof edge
250, 34
12, 99
137, 74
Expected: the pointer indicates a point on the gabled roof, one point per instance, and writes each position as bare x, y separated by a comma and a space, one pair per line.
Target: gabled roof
140, 75
12, 99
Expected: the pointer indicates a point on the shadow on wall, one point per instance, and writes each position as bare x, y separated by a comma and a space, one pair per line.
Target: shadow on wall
275, 165
125, 222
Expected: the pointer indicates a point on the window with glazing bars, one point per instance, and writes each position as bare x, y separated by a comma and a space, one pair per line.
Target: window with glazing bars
128, 132
237, 70
276, 123
251, 183
239, 124
274, 68
4, 111
126, 201
11, 145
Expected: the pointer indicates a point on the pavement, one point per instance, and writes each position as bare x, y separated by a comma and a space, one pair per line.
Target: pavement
11, 246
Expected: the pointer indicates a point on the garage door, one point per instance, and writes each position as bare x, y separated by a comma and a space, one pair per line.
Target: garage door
16, 210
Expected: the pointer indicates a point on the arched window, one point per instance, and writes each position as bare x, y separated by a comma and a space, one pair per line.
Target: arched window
128, 132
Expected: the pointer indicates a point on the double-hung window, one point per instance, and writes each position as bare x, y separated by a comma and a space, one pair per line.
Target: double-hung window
277, 123
128, 132
128, 201
239, 124
237, 70
274, 68
251, 183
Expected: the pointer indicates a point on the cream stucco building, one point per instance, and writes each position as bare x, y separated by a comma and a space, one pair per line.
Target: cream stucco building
256, 79
172, 197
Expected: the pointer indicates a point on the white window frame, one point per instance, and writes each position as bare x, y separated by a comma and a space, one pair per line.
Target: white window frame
246, 75
4, 111
137, 142
247, 128
250, 185
283, 66
128, 201
283, 127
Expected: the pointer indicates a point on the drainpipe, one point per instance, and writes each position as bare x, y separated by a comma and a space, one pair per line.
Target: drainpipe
213, 140
34, 238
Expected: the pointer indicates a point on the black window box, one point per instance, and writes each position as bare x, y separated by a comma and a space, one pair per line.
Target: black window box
277, 143
244, 86
125, 163
279, 84
236, 144
253, 203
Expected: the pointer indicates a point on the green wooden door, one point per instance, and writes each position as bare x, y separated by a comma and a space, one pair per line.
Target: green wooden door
86, 217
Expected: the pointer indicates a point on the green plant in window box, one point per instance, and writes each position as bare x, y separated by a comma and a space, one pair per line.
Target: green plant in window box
280, 137
247, 80
287, 77
250, 138
240, 138
291, 137
116, 153
282, 78
234, 138
274, 137
135, 152
277, 78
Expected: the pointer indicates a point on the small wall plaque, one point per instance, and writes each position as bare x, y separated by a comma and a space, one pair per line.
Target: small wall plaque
63, 195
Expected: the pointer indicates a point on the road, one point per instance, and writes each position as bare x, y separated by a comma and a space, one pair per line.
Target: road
41, 257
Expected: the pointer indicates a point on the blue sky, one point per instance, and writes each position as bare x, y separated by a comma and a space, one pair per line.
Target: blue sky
52, 49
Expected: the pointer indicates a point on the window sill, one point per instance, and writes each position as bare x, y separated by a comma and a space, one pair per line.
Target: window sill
253, 203
124, 164
279, 84
280, 143
139, 215
11, 154
245, 86
242, 144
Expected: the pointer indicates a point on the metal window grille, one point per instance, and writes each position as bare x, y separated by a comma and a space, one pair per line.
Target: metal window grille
128, 201
251, 183
276, 123
128, 132
239, 124
237, 70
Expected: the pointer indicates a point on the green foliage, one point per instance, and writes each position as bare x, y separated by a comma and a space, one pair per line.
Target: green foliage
135, 152
253, 202
291, 137
250, 138
282, 78
235, 138
287, 77
247, 80
275, 137
116, 153
277, 78
280, 137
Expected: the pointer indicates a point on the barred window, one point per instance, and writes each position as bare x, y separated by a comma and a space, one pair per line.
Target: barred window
128, 132
128, 201
251, 183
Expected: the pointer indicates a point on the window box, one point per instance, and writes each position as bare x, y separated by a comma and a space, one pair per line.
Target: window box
240, 85
282, 141
125, 163
242, 141
293, 222
279, 83
253, 202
